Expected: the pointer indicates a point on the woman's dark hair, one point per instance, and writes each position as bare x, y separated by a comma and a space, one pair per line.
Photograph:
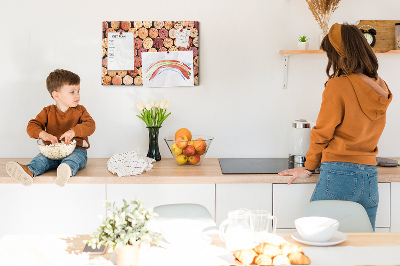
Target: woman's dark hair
358, 54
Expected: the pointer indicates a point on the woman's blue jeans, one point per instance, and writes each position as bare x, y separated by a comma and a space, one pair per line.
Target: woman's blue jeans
76, 160
351, 182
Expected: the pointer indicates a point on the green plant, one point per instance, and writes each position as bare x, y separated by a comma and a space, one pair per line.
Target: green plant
125, 226
303, 38
153, 114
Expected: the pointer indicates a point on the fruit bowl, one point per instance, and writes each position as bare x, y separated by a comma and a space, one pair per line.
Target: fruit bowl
56, 151
189, 152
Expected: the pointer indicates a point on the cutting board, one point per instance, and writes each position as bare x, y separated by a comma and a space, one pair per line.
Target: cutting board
385, 38
253, 165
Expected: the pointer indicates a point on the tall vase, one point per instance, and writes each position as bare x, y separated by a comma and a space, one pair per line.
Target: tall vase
153, 143
127, 255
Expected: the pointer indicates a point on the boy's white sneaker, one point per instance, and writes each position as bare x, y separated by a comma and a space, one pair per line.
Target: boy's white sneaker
20, 172
64, 172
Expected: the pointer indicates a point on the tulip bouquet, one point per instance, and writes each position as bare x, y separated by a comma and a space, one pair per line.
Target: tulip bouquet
153, 114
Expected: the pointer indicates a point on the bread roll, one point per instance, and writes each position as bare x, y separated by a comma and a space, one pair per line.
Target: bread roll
298, 258
281, 260
263, 260
268, 249
245, 256
290, 248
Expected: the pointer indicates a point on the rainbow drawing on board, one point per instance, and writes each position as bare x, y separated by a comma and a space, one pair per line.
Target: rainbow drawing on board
160, 66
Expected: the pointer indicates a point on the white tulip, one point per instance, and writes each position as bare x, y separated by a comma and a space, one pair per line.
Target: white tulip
152, 103
139, 106
148, 106
157, 104
162, 104
167, 105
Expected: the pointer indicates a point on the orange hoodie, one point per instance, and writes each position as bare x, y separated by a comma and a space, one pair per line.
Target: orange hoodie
56, 123
350, 122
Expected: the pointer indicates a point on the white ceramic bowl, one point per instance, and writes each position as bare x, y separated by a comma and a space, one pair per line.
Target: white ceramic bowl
316, 229
182, 231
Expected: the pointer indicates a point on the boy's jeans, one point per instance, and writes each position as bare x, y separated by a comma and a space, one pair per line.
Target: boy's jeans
76, 160
351, 182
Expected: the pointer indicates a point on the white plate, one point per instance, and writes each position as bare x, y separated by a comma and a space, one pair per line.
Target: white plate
338, 238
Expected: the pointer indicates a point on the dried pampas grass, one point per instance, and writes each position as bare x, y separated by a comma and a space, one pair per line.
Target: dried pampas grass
322, 11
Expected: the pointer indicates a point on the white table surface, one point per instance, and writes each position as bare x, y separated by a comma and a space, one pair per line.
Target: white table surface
376, 249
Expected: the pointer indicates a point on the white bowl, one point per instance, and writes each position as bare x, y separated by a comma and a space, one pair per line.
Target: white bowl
182, 231
316, 229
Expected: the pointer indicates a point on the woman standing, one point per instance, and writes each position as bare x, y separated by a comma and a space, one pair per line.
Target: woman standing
349, 124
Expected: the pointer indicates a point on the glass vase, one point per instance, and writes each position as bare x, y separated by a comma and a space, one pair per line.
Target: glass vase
154, 151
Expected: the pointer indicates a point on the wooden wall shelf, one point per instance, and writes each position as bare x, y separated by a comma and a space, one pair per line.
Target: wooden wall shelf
286, 54
322, 52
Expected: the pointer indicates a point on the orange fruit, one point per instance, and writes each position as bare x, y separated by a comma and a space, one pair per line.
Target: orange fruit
184, 131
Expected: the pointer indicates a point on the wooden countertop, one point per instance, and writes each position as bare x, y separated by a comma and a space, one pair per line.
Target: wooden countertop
167, 171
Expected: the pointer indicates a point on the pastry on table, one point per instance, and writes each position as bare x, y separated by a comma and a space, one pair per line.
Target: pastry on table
268, 249
290, 248
281, 260
270, 254
263, 260
245, 256
298, 258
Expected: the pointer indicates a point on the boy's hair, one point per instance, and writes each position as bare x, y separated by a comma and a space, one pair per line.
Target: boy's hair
359, 56
59, 78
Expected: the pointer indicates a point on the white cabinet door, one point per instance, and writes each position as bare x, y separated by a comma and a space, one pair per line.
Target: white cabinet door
49, 209
289, 202
383, 213
160, 194
231, 197
395, 192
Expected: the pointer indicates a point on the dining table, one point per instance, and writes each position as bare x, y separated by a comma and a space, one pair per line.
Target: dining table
358, 249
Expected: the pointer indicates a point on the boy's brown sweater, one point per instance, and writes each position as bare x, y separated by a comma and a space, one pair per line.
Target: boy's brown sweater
350, 122
56, 123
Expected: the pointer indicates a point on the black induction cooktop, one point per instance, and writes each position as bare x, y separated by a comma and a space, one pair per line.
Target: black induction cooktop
253, 165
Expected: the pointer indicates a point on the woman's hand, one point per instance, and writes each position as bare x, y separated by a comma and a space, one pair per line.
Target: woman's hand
67, 136
48, 137
296, 173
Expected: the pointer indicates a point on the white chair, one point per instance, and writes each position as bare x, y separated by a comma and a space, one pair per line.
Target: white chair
186, 211
351, 215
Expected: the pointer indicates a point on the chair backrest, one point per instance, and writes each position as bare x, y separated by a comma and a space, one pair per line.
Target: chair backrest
186, 211
351, 215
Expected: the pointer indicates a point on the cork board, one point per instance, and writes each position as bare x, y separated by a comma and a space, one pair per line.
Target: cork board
149, 36
385, 37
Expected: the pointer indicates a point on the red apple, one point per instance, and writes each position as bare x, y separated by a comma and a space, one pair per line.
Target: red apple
199, 144
181, 141
201, 152
194, 159
189, 150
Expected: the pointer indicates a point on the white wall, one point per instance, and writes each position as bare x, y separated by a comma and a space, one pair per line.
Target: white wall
239, 101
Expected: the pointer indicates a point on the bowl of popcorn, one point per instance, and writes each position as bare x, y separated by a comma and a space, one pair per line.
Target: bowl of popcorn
56, 151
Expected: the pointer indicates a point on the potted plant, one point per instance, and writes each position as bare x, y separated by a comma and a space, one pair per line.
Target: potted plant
303, 42
123, 229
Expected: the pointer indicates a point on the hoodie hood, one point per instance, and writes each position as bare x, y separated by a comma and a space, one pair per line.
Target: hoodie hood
373, 95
